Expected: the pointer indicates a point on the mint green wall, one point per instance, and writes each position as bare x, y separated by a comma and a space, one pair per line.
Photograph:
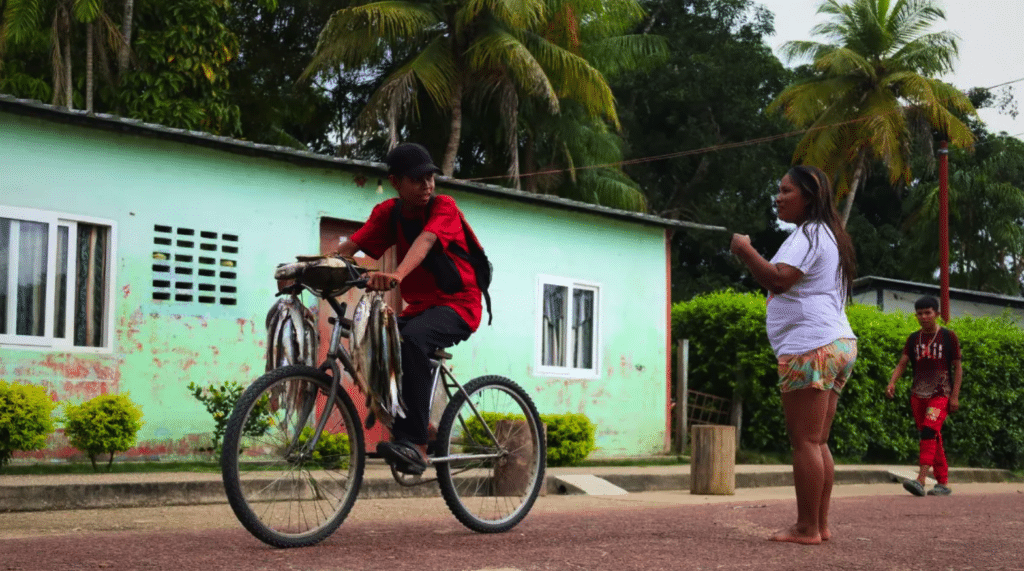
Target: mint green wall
275, 208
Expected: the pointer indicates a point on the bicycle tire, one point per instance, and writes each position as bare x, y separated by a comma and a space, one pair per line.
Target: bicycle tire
491, 495
282, 494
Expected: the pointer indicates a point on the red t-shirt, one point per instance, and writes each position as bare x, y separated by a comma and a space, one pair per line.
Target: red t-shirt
419, 289
931, 356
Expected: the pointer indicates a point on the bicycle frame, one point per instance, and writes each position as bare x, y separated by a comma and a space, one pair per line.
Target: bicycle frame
338, 358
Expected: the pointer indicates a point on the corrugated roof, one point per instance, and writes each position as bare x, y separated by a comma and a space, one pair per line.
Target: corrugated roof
108, 122
876, 282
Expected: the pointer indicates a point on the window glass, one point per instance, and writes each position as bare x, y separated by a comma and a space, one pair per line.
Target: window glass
5, 261
583, 328
91, 261
30, 303
554, 330
60, 297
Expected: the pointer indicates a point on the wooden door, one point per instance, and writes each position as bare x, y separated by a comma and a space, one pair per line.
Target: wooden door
333, 233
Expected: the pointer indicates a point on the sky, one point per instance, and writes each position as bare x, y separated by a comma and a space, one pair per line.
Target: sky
991, 46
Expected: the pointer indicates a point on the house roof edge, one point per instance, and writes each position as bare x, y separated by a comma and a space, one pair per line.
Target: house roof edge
109, 122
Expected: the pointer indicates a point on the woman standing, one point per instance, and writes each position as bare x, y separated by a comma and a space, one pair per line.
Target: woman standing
808, 281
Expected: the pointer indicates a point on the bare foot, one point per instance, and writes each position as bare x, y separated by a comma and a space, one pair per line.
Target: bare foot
794, 535
825, 534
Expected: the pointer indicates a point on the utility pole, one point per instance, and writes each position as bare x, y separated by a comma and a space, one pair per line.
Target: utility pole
944, 230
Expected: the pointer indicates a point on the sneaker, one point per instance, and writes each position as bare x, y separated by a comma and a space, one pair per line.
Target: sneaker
940, 490
914, 487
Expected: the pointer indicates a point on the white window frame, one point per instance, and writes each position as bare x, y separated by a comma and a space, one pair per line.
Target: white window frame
567, 371
47, 340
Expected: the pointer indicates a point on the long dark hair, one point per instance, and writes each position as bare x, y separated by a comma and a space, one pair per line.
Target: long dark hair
821, 208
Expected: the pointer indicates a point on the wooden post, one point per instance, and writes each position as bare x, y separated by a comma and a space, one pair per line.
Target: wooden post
682, 394
512, 474
736, 415
713, 460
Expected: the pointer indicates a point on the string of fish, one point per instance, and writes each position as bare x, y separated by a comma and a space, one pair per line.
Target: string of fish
377, 359
292, 336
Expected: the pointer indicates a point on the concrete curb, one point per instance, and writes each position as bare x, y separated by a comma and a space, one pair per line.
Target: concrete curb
95, 491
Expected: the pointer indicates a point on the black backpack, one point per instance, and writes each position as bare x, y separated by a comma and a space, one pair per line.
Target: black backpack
440, 264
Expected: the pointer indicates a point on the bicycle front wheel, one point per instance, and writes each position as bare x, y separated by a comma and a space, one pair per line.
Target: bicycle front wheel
285, 491
496, 453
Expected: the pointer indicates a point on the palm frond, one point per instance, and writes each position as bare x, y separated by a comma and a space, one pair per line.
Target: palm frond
930, 54
576, 78
611, 188
21, 18
87, 10
606, 18
501, 49
358, 34
845, 61
517, 14
616, 54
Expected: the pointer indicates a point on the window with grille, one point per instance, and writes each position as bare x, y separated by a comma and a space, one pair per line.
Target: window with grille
56, 279
568, 330
194, 266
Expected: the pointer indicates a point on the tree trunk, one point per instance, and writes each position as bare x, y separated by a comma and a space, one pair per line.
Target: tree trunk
455, 135
126, 37
510, 114
530, 162
858, 174
88, 66
66, 41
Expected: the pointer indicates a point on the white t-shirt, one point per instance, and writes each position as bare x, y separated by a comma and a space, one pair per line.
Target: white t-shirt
812, 313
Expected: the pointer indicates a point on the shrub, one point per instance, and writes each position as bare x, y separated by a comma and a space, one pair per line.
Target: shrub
332, 450
730, 356
24, 419
105, 424
570, 437
220, 400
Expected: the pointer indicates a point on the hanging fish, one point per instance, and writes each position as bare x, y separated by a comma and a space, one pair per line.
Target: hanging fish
292, 336
360, 317
395, 363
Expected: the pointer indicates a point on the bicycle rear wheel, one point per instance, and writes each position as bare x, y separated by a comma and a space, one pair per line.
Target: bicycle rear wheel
495, 475
281, 491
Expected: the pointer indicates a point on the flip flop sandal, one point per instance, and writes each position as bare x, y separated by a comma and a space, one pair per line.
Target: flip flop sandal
403, 456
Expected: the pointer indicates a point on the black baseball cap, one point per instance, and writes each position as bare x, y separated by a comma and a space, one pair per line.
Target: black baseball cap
411, 160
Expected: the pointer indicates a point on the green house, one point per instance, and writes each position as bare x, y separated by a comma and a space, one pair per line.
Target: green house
137, 258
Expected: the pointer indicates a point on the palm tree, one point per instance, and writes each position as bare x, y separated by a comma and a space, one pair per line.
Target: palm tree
870, 85
458, 51
23, 18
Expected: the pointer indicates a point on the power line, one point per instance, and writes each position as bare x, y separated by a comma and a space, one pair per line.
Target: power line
711, 149
1004, 83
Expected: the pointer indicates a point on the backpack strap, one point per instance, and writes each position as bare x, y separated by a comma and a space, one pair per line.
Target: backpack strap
471, 241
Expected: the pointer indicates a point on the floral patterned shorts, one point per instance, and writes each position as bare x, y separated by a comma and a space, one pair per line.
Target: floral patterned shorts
825, 368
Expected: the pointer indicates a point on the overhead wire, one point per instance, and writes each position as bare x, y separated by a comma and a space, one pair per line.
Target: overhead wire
711, 149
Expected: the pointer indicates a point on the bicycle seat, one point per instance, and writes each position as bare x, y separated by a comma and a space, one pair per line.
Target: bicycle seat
442, 354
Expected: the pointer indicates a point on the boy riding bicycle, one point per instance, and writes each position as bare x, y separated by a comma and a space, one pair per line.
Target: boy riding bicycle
443, 301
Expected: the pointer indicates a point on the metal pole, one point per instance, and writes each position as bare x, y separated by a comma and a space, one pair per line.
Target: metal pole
682, 393
944, 230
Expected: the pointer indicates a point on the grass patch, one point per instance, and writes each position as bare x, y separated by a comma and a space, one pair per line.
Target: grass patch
58, 468
638, 461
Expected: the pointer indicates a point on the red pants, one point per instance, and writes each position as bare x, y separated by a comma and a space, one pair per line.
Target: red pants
929, 414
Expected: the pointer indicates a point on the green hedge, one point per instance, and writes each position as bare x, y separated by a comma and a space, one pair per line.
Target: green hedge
570, 436
24, 419
730, 354
104, 424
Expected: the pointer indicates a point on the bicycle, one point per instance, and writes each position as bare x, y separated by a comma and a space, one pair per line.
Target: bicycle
293, 453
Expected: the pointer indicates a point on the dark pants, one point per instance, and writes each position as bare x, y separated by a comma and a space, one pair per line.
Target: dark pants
436, 328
